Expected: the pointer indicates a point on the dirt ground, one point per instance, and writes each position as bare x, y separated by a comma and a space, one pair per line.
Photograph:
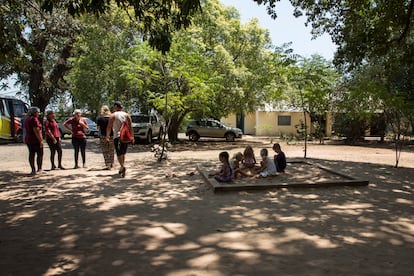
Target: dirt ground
163, 219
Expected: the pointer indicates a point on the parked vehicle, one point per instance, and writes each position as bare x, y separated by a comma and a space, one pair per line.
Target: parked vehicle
146, 127
93, 128
92, 131
211, 128
12, 113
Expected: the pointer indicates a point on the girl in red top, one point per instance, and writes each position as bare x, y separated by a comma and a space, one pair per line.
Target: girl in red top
78, 126
53, 139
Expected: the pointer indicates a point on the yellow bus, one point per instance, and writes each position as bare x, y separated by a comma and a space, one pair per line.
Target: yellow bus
12, 113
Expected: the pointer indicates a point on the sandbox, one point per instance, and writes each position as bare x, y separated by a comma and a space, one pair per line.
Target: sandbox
299, 174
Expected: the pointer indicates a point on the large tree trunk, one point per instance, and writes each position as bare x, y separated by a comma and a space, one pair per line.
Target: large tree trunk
40, 94
36, 74
174, 126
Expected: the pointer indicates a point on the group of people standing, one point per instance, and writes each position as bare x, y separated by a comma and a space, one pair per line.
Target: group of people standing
109, 125
244, 164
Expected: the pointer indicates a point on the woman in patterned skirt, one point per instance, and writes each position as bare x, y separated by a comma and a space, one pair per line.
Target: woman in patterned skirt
106, 146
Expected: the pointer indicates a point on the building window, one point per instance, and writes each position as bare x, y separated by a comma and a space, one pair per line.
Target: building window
283, 120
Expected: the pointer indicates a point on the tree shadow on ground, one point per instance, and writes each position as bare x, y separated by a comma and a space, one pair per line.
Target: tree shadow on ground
163, 219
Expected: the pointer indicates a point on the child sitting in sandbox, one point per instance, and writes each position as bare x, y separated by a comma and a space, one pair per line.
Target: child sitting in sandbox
237, 161
226, 172
245, 164
267, 166
279, 158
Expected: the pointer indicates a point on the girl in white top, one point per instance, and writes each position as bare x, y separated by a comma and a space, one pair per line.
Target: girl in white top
267, 165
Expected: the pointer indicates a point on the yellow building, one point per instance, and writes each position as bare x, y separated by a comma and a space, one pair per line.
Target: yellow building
273, 123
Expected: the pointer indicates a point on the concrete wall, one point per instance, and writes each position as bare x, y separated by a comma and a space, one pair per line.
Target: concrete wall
229, 120
265, 123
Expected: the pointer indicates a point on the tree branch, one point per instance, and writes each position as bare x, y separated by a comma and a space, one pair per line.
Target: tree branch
407, 22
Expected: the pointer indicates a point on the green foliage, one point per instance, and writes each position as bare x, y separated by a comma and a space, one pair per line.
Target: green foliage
363, 30
96, 78
287, 138
349, 126
382, 86
301, 130
36, 45
312, 83
158, 18
213, 68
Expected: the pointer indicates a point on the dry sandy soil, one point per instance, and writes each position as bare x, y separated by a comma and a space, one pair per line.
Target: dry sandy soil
163, 219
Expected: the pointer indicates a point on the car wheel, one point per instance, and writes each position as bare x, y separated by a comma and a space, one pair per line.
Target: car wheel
230, 137
149, 137
193, 136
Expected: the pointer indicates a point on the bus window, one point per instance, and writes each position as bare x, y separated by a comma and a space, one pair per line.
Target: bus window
19, 108
2, 107
11, 116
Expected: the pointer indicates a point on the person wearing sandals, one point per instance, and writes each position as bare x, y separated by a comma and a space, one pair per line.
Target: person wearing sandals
106, 146
118, 117
78, 127
53, 139
34, 139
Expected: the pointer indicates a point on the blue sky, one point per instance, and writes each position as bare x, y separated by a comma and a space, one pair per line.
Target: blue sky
286, 27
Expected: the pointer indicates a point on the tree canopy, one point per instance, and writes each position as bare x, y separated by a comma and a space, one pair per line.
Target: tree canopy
214, 67
207, 64
362, 30
36, 45
158, 18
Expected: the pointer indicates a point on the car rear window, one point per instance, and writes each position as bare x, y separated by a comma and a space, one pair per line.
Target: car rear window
140, 119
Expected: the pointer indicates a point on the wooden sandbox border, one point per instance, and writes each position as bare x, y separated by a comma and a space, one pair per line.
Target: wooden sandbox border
233, 186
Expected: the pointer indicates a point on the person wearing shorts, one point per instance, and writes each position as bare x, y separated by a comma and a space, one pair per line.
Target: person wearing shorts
118, 117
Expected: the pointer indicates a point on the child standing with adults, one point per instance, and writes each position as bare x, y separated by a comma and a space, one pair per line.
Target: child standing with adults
34, 139
53, 139
107, 146
78, 126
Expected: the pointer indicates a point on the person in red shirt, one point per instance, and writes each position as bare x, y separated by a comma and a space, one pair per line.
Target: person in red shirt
34, 139
78, 126
53, 139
